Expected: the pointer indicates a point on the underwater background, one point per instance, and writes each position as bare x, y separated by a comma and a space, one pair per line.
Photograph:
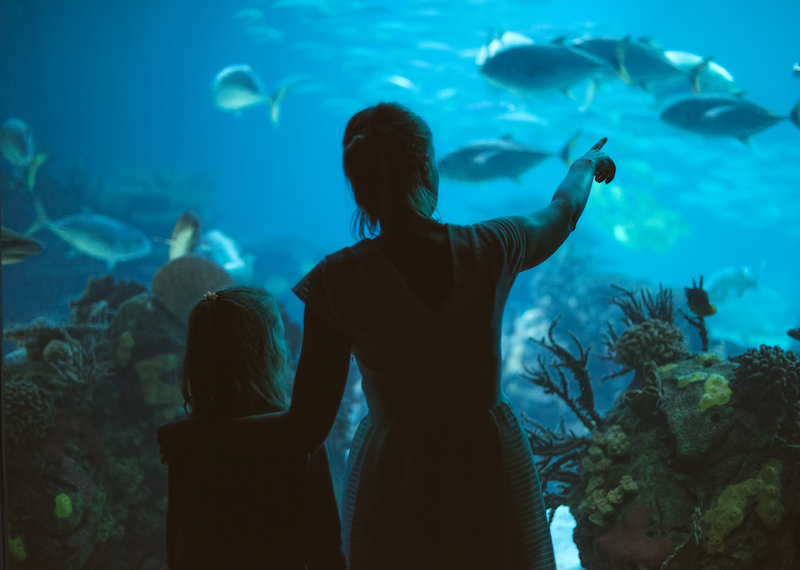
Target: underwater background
119, 97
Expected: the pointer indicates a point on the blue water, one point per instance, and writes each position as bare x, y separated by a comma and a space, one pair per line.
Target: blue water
124, 87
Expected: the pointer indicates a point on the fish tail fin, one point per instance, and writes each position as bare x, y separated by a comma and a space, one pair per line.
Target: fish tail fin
41, 218
622, 53
33, 167
694, 74
275, 103
565, 153
794, 115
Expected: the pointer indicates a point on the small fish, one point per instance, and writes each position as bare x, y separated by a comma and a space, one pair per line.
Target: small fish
223, 250
733, 281
401, 81
493, 159
16, 146
264, 34
540, 67
97, 236
248, 15
796, 70
723, 115
238, 87
697, 298
16, 247
185, 236
794, 333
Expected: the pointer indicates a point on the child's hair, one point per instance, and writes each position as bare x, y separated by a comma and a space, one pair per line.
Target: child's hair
387, 161
236, 361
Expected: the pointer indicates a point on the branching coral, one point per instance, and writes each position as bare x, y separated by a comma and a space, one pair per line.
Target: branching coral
560, 452
583, 405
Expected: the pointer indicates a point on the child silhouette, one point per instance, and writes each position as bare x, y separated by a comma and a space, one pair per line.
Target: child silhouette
243, 507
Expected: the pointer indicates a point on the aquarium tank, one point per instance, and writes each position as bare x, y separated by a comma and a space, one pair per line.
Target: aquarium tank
155, 151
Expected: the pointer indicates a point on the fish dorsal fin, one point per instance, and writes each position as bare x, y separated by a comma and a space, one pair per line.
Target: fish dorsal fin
718, 111
741, 94
745, 139
565, 153
508, 137
694, 74
646, 39
559, 40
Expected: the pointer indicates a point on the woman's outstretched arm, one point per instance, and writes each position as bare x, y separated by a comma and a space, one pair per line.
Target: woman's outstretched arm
547, 228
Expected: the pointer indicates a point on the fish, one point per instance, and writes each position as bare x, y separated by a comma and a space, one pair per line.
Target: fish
697, 299
97, 236
794, 333
237, 87
15, 247
705, 76
223, 250
733, 282
540, 67
264, 34
185, 236
796, 70
637, 62
723, 115
16, 146
497, 44
493, 159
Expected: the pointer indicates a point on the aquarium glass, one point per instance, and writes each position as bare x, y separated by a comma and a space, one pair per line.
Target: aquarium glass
155, 151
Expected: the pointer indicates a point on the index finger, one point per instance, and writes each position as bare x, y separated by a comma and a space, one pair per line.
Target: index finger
600, 143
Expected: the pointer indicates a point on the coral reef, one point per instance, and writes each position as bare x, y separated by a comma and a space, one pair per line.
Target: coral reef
182, 282
86, 488
689, 468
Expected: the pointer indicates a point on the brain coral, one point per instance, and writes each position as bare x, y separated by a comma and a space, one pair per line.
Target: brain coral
767, 381
182, 282
28, 412
653, 339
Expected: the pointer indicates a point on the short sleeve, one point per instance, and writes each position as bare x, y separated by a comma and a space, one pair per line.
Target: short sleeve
509, 232
320, 290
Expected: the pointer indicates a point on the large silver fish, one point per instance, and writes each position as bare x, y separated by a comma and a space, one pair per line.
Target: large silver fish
16, 146
16, 247
493, 159
637, 62
723, 115
541, 67
97, 236
237, 87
